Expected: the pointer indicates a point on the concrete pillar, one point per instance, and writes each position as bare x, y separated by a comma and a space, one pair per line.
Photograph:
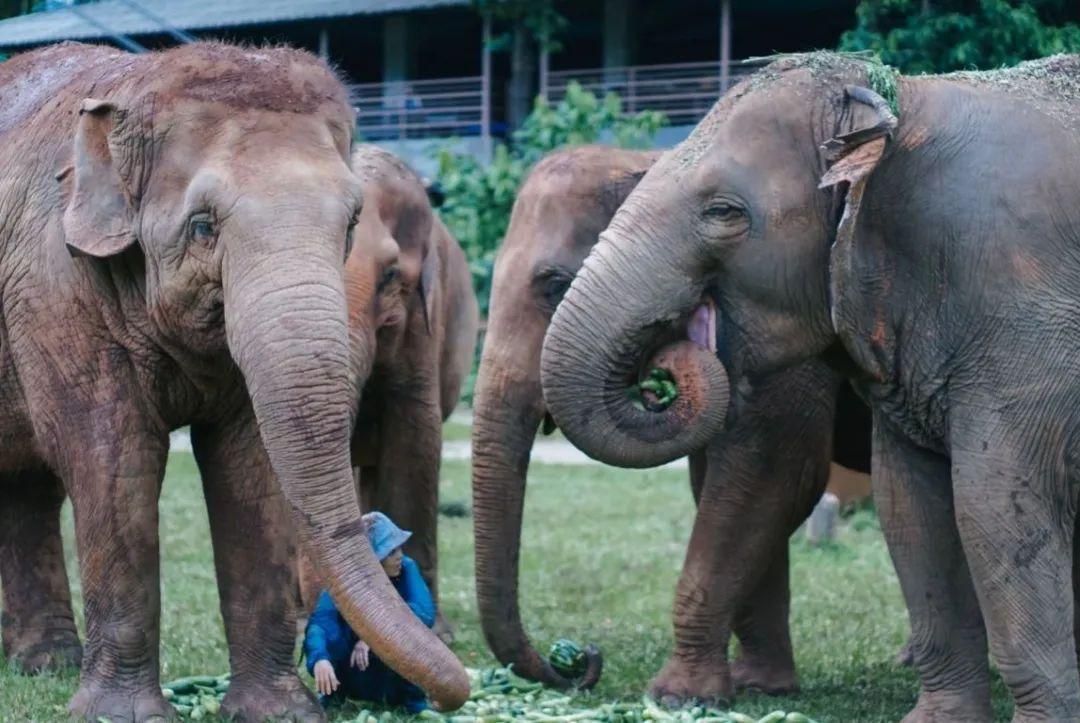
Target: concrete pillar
619, 38
725, 45
396, 55
485, 92
324, 44
618, 33
397, 60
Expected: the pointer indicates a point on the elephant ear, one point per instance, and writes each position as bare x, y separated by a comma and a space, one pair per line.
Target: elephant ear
98, 217
851, 158
429, 273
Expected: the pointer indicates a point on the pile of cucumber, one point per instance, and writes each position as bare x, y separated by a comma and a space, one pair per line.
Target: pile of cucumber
198, 696
499, 696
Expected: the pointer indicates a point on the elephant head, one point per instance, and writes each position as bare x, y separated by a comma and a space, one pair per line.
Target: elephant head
737, 207
393, 262
221, 181
560, 210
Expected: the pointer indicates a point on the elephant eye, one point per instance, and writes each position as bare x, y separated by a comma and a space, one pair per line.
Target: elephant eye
201, 228
389, 277
552, 285
723, 211
350, 232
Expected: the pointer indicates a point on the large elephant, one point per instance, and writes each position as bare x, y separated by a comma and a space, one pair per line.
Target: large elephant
754, 484
413, 320
933, 251
173, 244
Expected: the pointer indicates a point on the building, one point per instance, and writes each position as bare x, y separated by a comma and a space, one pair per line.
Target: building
423, 70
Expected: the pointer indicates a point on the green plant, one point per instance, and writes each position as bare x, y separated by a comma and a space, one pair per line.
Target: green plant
930, 36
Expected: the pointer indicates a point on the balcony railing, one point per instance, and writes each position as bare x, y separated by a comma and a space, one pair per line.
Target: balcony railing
684, 92
456, 106
420, 108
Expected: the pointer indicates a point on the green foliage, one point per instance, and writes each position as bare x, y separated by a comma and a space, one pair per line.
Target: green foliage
930, 36
539, 17
479, 198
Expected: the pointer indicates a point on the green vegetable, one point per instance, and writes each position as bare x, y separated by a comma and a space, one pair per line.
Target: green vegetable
777, 716
568, 659
661, 385
190, 684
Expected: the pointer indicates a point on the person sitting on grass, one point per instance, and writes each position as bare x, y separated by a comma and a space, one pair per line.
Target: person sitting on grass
341, 663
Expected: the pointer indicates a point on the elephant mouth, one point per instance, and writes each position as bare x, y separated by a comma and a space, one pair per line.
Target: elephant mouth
701, 329
658, 389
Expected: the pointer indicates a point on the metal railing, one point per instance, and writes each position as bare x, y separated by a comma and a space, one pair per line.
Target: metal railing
684, 92
420, 108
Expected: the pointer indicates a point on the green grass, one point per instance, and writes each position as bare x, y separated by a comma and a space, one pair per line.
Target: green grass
602, 553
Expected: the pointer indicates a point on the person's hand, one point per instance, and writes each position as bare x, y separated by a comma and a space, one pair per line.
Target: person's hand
326, 681
359, 657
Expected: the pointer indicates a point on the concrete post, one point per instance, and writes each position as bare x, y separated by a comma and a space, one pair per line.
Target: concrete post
396, 59
324, 44
725, 45
618, 39
485, 90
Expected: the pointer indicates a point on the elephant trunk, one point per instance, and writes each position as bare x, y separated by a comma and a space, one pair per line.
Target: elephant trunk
603, 339
287, 332
508, 408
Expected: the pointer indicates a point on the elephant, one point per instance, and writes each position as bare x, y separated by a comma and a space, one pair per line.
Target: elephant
175, 231
920, 233
753, 484
412, 310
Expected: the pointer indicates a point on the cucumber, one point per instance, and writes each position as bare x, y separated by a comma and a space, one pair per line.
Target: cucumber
190, 684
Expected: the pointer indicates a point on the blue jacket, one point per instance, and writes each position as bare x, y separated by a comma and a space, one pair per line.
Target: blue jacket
329, 637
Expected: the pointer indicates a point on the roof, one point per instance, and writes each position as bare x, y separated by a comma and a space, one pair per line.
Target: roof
122, 18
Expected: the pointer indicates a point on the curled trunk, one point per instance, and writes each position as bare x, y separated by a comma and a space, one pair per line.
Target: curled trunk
289, 338
604, 338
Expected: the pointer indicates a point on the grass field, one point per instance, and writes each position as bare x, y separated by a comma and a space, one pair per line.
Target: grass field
602, 553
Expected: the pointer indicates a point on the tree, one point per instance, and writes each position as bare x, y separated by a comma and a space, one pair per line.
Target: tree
928, 36
533, 24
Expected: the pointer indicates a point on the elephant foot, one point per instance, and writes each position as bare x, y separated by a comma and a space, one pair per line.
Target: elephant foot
443, 629
751, 672
95, 702
45, 651
282, 698
679, 683
942, 706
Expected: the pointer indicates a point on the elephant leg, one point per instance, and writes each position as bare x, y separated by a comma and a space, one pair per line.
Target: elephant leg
408, 477
763, 478
114, 477
766, 661
948, 643
254, 555
1015, 509
38, 626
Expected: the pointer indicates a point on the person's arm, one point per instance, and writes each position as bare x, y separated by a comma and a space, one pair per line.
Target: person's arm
415, 592
323, 621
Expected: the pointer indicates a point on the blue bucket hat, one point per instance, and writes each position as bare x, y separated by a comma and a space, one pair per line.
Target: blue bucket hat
384, 535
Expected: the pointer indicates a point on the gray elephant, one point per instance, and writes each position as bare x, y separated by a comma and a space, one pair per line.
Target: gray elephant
413, 320
932, 252
175, 230
753, 484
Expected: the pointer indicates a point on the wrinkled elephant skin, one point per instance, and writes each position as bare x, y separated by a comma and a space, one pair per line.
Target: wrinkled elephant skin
935, 250
173, 241
413, 320
753, 484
